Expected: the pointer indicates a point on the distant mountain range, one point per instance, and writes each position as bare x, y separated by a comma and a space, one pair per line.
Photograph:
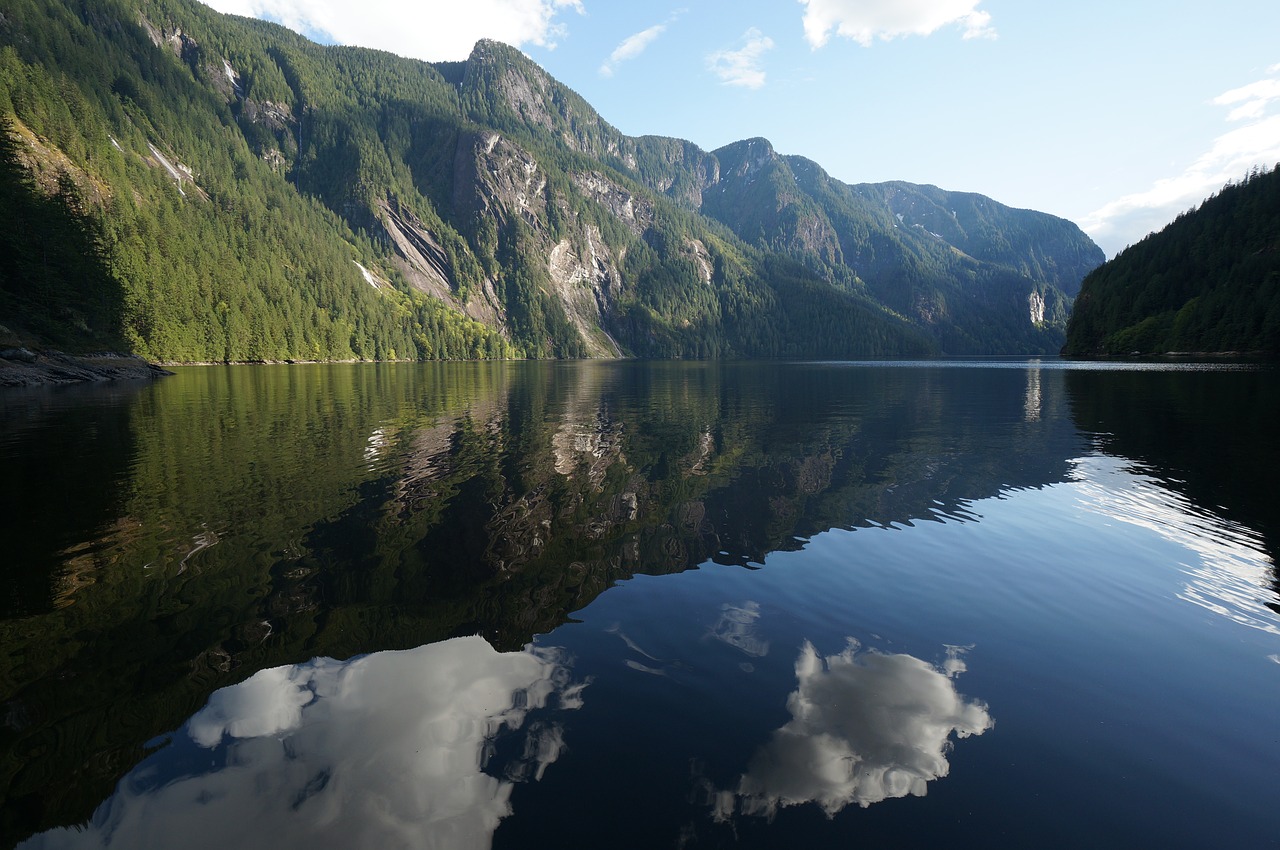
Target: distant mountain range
1209, 282
192, 186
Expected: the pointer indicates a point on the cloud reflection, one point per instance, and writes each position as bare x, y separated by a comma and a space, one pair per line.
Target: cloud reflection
865, 726
386, 750
737, 628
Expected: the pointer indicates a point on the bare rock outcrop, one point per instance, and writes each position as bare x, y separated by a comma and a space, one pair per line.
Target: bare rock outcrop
634, 211
21, 367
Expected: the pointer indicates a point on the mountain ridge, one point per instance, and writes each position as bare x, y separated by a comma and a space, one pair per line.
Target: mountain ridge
343, 203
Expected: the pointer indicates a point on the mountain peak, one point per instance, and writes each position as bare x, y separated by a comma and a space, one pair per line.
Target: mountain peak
754, 147
510, 92
747, 157
488, 51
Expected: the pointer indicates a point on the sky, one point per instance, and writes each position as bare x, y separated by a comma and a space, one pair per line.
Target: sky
1115, 114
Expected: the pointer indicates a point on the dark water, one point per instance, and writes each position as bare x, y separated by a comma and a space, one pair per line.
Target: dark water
643, 605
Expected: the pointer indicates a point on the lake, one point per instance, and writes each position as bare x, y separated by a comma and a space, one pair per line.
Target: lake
627, 604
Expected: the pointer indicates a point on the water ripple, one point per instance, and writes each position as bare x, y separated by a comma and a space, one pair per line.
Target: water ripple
1232, 574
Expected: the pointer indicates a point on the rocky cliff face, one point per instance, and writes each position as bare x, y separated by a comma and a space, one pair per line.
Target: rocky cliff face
586, 282
499, 181
676, 168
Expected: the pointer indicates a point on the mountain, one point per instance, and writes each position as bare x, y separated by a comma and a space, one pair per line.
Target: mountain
979, 276
1209, 282
192, 186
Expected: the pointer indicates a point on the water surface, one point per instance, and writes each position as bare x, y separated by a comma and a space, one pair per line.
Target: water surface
642, 605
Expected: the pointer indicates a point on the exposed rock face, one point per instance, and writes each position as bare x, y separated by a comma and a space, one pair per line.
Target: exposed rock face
1039, 246
526, 92
622, 151
752, 157
274, 115
635, 212
496, 178
537, 100
48, 165
1036, 303
701, 258
497, 182
498, 190
929, 308
586, 281
224, 80
173, 39
425, 263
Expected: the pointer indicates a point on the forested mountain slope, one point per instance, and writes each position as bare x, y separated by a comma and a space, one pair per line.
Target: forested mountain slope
193, 186
1209, 282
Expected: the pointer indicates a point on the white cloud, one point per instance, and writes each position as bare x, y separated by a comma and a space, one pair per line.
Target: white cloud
865, 727
386, 750
1231, 155
631, 47
864, 21
1253, 99
741, 67
429, 31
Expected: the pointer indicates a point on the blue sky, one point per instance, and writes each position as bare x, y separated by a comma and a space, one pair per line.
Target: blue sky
1117, 115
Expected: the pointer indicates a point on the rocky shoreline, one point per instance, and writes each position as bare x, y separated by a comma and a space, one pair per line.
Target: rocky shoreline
21, 367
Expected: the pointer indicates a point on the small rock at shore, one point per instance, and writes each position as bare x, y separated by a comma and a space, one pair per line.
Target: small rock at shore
22, 355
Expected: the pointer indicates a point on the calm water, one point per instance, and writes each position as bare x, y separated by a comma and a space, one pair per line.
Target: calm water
986, 603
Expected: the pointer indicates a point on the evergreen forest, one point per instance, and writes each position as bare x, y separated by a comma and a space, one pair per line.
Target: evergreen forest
1209, 282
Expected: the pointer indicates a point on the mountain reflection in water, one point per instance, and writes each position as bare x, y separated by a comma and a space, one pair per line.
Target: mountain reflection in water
385, 750
681, 531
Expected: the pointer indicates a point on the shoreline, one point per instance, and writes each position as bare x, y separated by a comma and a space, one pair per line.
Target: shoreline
1176, 355
21, 367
